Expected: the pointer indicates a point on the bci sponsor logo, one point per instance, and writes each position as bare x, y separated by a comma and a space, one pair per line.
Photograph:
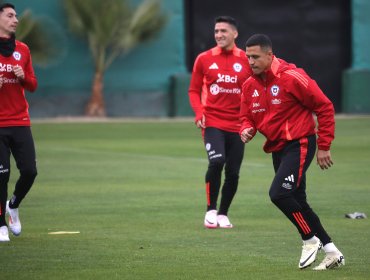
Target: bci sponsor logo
227, 79
6, 67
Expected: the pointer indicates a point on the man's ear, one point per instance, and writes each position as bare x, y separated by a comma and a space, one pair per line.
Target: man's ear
236, 34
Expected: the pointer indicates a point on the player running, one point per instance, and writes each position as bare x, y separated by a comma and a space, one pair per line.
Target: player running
279, 101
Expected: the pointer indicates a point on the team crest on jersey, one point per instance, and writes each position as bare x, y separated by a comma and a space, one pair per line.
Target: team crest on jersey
275, 90
237, 67
17, 55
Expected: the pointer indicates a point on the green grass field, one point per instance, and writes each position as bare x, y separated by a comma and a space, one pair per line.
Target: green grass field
135, 192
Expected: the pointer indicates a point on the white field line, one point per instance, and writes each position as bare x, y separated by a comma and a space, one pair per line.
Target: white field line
63, 232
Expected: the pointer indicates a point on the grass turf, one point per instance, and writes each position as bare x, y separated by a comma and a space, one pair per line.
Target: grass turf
135, 192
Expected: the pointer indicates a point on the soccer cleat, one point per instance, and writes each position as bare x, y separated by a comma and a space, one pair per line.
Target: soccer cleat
14, 222
331, 260
4, 234
309, 253
224, 222
210, 220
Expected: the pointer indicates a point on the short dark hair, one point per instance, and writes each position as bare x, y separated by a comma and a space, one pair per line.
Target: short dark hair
227, 19
261, 40
6, 5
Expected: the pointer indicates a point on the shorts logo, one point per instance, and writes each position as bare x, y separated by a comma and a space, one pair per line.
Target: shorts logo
286, 186
213, 155
3, 170
237, 67
290, 178
208, 146
275, 90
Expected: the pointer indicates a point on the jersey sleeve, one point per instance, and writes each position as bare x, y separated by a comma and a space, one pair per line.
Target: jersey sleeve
195, 89
245, 114
311, 96
30, 80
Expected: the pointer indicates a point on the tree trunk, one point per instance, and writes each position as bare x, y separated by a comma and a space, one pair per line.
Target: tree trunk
96, 107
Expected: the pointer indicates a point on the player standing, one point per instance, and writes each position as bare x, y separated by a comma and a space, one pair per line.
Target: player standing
214, 93
16, 76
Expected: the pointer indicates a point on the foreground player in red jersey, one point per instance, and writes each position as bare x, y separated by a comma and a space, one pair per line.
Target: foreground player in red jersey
279, 101
214, 93
16, 76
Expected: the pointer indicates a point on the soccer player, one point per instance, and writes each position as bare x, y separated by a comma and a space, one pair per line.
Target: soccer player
16, 76
214, 93
279, 101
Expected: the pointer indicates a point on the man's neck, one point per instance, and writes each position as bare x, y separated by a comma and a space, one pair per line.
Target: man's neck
228, 48
4, 36
263, 76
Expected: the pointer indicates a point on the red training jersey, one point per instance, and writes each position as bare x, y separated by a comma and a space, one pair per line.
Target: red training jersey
13, 104
282, 107
215, 87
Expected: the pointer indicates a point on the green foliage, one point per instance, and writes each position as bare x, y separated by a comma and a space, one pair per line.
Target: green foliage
145, 24
112, 27
135, 192
43, 36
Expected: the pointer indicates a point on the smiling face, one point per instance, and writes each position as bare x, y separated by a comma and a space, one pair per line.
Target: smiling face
259, 59
225, 35
8, 22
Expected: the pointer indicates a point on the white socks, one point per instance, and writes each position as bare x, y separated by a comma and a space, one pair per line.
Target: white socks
312, 240
330, 248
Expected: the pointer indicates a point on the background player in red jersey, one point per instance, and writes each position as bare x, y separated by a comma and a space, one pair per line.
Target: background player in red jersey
16, 75
279, 101
214, 93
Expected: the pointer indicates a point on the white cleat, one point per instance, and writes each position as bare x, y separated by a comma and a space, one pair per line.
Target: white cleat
224, 222
309, 253
4, 234
331, 260
210, 220
14, 222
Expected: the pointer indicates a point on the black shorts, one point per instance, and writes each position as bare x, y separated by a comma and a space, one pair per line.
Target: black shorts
223, 146
290, 165
17, 141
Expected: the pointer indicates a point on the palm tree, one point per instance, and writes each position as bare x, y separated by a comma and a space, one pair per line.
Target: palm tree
43, 36
111, 28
